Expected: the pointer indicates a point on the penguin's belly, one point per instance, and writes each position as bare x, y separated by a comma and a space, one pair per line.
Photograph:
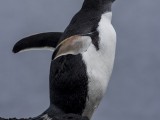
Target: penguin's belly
99, 64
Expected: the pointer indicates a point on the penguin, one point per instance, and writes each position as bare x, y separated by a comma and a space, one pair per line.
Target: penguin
82, 60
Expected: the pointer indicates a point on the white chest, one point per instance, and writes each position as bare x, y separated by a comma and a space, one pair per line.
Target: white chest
100, 63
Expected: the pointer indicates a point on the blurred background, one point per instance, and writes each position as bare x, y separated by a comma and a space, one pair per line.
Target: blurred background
134, 89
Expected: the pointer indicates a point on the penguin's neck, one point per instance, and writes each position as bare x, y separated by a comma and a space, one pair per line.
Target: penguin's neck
108, 16
99, 5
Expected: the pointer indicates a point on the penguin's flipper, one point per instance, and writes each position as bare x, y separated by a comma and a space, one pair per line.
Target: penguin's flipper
73, 45
37, 42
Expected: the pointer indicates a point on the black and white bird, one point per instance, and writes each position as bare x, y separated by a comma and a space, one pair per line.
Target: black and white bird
82, 60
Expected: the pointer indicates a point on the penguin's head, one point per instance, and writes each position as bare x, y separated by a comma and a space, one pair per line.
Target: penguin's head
112, 0
102, 1
107, 1
103, 5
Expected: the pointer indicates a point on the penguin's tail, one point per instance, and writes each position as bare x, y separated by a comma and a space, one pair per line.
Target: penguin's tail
56, 117
47, 41
52, 113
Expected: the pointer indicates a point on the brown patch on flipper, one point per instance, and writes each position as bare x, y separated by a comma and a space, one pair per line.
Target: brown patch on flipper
73, 45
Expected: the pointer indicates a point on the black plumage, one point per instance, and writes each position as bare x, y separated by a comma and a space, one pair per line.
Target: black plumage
49, 39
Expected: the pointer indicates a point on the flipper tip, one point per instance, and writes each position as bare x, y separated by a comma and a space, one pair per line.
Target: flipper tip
15, 49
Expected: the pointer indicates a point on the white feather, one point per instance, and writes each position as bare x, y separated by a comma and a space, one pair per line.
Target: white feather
40, 48
100, 63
